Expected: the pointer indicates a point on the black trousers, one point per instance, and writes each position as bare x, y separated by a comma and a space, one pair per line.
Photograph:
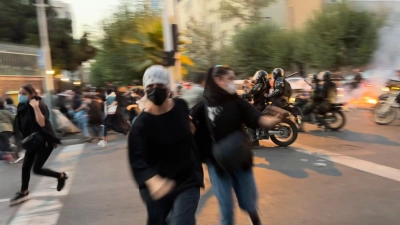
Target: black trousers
177, 208
36, 159
5, 141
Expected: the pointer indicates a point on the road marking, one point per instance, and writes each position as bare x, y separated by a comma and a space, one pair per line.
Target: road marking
45, 204
369, 167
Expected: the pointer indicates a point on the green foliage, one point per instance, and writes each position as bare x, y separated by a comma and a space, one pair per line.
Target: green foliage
340, 36
202, 47
253, 49
132, 41
18, 24
337, 36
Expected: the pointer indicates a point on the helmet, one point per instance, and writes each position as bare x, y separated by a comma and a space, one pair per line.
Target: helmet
315, 78
261, 77
278, 72
327, 76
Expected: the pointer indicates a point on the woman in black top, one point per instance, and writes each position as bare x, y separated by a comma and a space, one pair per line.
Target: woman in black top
162, 154
33, 116
226, 112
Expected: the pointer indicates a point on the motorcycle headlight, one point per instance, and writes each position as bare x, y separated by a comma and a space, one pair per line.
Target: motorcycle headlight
385, 89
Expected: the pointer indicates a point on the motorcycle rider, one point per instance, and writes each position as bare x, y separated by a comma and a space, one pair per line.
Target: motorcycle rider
282, 89
323, 95
395, 82
257, 94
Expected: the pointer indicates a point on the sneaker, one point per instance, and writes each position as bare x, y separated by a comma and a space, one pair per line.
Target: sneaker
19, 197
61, 182
102, 143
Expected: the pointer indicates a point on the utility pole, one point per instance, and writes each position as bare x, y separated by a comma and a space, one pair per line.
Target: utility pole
168, 43
178, 70
45, 47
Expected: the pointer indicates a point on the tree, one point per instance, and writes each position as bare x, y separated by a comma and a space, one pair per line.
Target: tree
18, 25
202, 45
247, 11
251, 53
340, 36
133, 41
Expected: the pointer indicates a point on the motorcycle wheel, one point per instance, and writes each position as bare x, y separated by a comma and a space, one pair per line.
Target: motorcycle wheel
335, 116
388, 118
288, 130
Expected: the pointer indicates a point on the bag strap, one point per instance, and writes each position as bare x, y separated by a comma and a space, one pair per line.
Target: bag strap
208, 122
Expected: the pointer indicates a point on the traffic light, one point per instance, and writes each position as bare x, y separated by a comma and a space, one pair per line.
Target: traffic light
175, 36
168, 58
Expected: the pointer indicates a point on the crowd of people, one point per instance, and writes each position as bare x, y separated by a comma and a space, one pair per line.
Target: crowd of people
169, 137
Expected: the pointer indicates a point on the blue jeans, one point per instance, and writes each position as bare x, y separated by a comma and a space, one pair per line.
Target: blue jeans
244, 185
81, 119
95, 129
177, 208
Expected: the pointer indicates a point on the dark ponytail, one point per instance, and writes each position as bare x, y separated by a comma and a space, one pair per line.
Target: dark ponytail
29, 88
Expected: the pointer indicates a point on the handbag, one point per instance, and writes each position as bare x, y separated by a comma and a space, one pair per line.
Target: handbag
233, 152
32, 142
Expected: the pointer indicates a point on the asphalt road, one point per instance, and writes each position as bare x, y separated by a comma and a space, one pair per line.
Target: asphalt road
358, 182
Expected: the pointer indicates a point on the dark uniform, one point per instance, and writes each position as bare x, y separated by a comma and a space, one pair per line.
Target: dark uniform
282, 90
257, 92
323, 95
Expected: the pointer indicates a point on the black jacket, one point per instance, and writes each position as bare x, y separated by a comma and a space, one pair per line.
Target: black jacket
228, 117
25, 122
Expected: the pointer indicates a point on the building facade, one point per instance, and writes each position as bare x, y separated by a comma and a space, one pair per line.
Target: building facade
18, 66
299, 13
205, 13
63, 9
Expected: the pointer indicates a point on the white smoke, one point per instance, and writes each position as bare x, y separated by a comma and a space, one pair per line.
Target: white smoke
387, 55
385, 61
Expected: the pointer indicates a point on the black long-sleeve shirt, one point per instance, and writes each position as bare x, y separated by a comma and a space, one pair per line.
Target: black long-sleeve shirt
226, 118
164, 145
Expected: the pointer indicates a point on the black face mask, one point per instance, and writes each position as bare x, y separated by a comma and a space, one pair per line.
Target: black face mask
157, 95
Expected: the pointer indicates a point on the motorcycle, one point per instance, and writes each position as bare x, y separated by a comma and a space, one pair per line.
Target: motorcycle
283, 134
327, 118
384, 111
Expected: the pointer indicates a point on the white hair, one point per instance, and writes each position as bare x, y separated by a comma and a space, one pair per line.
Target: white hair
156, 74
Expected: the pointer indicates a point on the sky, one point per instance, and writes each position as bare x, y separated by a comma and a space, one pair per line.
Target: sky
89, 13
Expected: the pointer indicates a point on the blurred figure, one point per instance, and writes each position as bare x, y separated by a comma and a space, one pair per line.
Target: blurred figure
7, 156
282, 89
33, 117
195, 95
6, 127
162, 154
109, 84
9, 105
138, 89
95, 115
81, 117
357, 79
219, 121
114, 120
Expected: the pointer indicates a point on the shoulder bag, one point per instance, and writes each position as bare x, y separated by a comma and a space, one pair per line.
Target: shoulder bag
233, 152
32, 142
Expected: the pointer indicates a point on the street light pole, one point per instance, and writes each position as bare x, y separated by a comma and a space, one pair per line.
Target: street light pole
45, 47
178, 70
168, 43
